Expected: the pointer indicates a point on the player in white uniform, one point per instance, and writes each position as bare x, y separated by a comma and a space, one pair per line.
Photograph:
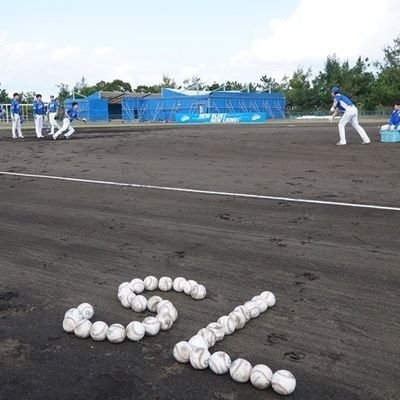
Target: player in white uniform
16, 117
52, 108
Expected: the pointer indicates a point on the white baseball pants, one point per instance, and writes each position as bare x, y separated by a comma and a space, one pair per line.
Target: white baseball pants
16, 126
39, 125
351, 115
53, 122
65, 126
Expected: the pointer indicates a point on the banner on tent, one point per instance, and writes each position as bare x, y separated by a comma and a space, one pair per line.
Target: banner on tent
221, 118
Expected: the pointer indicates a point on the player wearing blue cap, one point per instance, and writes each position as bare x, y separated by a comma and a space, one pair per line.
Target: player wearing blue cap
342, 104
16, 117
70, 114
52, 108
38, 114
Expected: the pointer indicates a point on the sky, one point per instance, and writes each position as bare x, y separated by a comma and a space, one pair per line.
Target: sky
46, 42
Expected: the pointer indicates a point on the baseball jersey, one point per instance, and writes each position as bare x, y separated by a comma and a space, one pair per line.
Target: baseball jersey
53, 106
72, 114
38, 107
15, 107
342, 102
394, 118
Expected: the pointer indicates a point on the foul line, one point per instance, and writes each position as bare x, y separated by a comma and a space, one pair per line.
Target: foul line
199, 191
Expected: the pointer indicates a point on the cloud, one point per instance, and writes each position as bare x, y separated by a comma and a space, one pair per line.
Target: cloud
68, 53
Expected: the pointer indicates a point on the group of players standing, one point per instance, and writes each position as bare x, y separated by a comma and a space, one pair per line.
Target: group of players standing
40, 110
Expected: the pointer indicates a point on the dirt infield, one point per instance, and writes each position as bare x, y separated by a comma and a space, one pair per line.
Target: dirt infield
334, 270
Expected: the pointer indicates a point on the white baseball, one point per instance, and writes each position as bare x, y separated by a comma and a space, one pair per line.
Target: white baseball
217, 329
209, 335
165, 284
228, 324
219, 362
182, 352
238, 318
71, 320
116, 333
240, 370
244, 311
74, 313
169, 306
261, 376
123, 285
198, 342
139, 303
98, 331
198, 292
135, 331
283, 382
82, 329
188, 286
150, 283
269, 298
126, 300
124, 292
86, 310
262, 304
137, 285
199, 358
165, 320
152, 303
151, 326
177, 284
253, 309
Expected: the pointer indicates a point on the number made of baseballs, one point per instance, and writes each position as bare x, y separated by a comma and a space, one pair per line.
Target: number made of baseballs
165, 284
150, 283
137, 285
283, 382
219, 362
116, 333
170, 309
152, 303
261, 376
86, 310
199, 358
98, 331
124, 285
126, 299
151, 326
165, 320
198, 342
71, 320
244, 311
240, 370
269, 298
188, 286
198, 292
217, 329
139, 303
253, 309
177, 284
124, 292
238, 318
74, 313
209, 335
262, 304
82, 329
135, 331
228, 324
182, 352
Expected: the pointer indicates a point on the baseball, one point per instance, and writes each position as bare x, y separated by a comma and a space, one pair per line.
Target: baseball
244, 311
150, 283
170, 309
126, 300
198, 292
135, 331
165, 284
253, 309
219, 362
124, 292
71, 320
261, 376
240, 370
177, 284
151, 326
98, 331
217, 329
209, 335
182, 352
238, 318
123, 285
74, 313
152, 303
116, 333
82, 329
269, 298
165, 320
86, 310
261, 303
139, 303
137, 285
198, 342
188, 286
199, 358
228, 324
283, 382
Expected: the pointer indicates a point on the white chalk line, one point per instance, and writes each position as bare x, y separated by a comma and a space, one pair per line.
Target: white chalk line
200, 191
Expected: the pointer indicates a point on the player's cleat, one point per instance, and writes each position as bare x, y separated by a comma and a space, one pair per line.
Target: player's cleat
340, 144
366, 143
20, 137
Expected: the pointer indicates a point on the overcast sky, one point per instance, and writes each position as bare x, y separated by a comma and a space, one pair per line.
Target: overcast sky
45, 42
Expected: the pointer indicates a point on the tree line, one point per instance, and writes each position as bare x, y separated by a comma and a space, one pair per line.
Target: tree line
373, 85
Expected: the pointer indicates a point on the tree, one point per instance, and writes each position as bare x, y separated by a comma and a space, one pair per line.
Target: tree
117, 85
270, 84
27, 97
168, 82
63, 92
194, 83
4, 97
299, 93
82, 88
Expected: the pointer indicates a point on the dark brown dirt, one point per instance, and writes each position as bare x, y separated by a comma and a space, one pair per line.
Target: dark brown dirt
334, 270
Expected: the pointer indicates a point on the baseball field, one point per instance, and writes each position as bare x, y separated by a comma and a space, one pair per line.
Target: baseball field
333, 263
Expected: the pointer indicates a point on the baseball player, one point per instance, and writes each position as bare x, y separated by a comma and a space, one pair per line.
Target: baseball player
70, 114
38, 114
342, 104
52, 111
394, 120
16, 117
